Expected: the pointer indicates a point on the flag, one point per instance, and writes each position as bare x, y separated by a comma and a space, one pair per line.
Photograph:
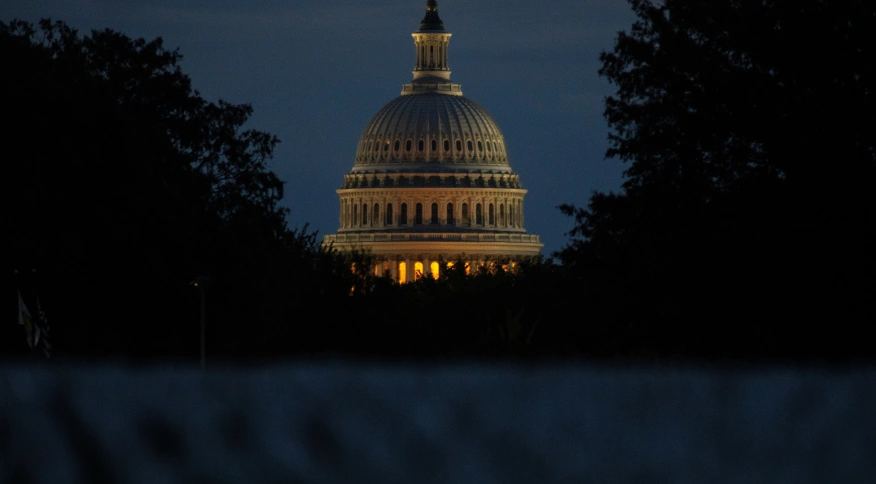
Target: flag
42, 325
31, 330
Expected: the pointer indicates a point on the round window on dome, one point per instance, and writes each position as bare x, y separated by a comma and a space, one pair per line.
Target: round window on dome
421, 145
397, 145
386, 145
446, 145
458, 145
434, 145
489, 148
470, 148
408, 145
480, 145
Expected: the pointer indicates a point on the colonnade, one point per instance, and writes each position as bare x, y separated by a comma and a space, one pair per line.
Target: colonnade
487, 148
432, 55
432, 52
366, 212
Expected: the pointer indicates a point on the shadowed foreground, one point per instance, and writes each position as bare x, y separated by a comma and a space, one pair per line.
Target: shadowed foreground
346, 423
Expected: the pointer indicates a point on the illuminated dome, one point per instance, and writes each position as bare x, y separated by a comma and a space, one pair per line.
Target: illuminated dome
431, 181
431, 128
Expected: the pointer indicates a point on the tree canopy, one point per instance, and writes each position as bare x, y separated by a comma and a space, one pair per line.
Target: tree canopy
748, 204
126, 184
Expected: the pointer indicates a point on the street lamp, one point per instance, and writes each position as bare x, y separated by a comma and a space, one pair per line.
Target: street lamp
200, 282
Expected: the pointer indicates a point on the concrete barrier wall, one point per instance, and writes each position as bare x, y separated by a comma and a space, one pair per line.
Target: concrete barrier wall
504, 424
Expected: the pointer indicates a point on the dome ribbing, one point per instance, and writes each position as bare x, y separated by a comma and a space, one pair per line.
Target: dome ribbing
432, 129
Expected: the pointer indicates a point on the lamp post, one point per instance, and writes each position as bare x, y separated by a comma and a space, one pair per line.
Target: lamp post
200, 282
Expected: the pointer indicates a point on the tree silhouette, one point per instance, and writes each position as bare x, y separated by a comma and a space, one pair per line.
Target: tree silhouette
747, 206
126, 184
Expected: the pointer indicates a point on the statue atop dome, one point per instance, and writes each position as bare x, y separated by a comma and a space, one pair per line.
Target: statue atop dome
432, 22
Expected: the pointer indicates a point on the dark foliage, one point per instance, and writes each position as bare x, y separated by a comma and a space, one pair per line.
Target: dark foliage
124, 185
745, 226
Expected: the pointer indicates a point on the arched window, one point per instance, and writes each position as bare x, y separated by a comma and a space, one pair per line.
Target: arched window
421, 145
388, 214
375, 215
418, 215
364, 214
434, 145
386, 145
489, 148
470, 146
502, 213
418, 270
355, 214
434, 213
408, 145
479, 215
447, 145
450, 214
491, 214
403, 216
402, 273
458, 145
434, 266
397, 145
465, 218
495, 146
480, 145
511, 215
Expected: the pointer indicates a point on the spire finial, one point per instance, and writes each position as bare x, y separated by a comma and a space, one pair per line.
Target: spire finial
431, 22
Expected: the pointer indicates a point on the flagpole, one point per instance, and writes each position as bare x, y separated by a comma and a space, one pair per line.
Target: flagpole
41, 321
203, 326
200, 282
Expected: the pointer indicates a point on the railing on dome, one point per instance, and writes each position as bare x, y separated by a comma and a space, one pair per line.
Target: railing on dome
353, 238
423, 87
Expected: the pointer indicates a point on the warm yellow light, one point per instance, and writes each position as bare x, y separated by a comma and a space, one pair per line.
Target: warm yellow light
418, 270
467, 268
434, 267
402, 273
450, 265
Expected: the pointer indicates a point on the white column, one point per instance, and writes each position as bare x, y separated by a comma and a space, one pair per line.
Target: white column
521, 213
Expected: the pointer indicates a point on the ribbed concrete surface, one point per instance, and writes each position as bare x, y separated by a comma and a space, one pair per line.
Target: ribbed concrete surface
360, 423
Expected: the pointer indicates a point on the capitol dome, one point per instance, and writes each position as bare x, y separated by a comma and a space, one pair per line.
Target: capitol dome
432, 128
431, 182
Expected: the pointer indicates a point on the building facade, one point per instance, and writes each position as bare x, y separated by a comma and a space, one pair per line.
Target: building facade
431, 182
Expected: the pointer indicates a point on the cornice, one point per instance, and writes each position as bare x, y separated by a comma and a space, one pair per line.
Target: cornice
430, 192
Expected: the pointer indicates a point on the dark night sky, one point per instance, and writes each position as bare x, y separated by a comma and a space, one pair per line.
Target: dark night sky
316, 71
